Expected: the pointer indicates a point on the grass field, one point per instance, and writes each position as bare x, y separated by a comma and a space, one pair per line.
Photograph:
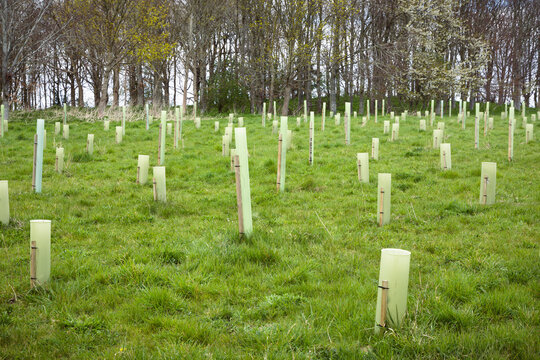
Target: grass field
132, 278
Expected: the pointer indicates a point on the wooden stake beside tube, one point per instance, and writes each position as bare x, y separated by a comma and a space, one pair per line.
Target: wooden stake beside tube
40, 252
362, 161
446, 156
381, 207
233, 154
33, 267
375, 148
384, 302
159, 184
511, 126
384, 198
488, 183
529, 134
486, 179
242, 155
444, 159
239, 194
392, 289
59, 160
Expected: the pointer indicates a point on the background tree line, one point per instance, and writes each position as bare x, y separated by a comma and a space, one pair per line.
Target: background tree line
233, 55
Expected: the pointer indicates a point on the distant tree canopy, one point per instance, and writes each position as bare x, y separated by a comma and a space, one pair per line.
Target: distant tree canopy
443, 59
234, 55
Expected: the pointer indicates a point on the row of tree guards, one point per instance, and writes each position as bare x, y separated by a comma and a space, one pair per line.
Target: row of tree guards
394, 270
438, 135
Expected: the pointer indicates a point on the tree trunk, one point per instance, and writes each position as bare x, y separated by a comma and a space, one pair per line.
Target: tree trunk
334, 68
45, 89
72, 86
516, 56
489, 78
5, 81
501, 82
156, 96
80, 88
24, 85
166, 87
174, 82
537, 90
116, 87
203, 90
252, 98
286, 99
103, 97
140, 86
195, 89
333, 81
184, 95
132, 71
271, 90
318, 64
97, 79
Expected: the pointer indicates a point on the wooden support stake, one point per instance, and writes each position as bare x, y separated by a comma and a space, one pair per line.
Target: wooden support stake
154, 185
486, 179
138, 173
384, 302
34, 162
56, 164
444, 159
372, 150
280, 147
33, 265
239, 195
381, 210
359, 163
